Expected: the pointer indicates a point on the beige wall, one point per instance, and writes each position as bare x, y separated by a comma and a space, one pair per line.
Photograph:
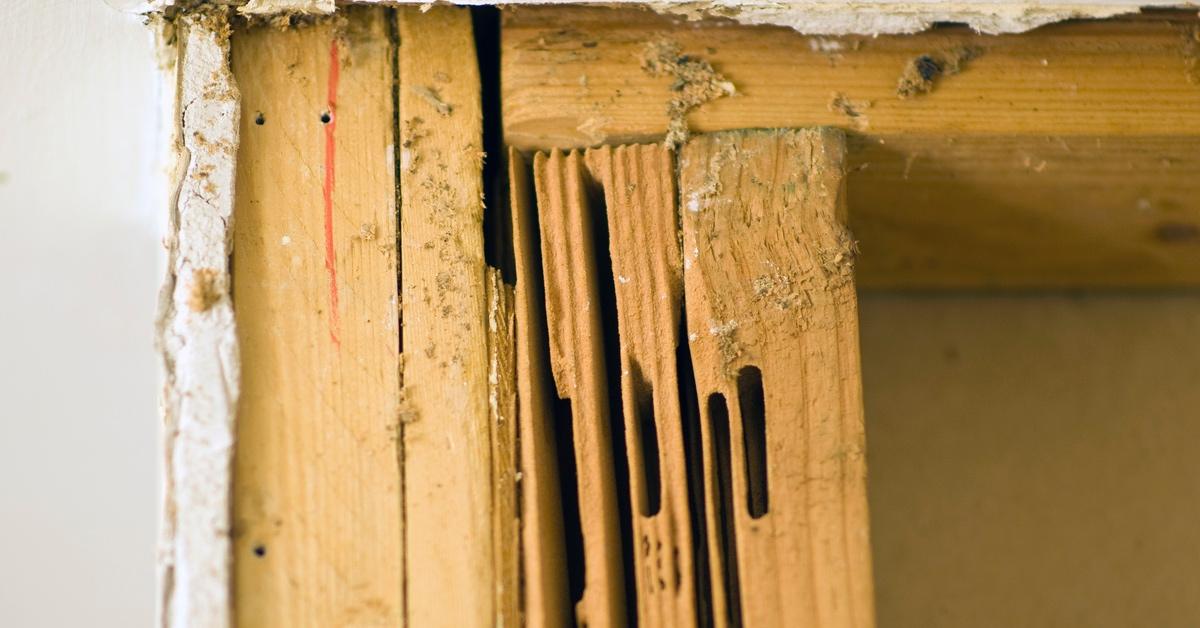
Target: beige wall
1034, 461
79, 272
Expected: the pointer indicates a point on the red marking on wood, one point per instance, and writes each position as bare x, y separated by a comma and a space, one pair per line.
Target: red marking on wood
330, 253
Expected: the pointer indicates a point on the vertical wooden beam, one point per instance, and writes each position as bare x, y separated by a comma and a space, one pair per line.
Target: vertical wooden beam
317, 519
772, 319
447, 438
502, 406
573, 318
543, 555
643, 232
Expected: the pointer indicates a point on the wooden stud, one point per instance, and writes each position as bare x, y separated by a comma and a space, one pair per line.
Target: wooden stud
448, 468
317, 488
545, 600
573, 318
639, 192
1064, 157
773, 330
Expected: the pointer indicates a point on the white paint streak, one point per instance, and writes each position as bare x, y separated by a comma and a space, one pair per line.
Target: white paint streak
199, 347
814, 17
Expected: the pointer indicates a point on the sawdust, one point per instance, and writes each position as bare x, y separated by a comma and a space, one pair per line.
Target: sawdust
695, 83
853, 109
924, 71
430, 96
205, 291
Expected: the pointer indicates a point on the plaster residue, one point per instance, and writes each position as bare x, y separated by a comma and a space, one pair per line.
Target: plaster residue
814, 17
195, 328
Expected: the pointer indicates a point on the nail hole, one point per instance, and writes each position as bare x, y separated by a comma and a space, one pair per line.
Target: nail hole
259, 119
326, 117
260, 550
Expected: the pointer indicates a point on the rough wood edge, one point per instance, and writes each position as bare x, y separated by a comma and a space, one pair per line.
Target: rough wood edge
195, 328
781, 300
544, 598
502, 406
819, 17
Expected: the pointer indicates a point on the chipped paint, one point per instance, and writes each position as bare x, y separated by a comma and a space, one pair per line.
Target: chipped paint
198, 345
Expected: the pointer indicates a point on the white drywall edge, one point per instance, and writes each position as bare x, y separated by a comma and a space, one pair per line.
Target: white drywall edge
195, 328
814, 17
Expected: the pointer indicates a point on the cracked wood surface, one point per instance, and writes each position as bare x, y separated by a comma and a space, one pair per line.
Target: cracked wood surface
768, 272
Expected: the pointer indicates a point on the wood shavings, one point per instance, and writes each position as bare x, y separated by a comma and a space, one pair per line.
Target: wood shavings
696, 83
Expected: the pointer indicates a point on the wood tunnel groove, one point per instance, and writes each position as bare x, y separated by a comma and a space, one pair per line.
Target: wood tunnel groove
699, 511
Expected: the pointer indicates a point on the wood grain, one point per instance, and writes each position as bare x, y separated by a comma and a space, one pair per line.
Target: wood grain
639, 193
1063, 157
545, 599
768, 271
448, 469
317, 490
577, 359
502, 406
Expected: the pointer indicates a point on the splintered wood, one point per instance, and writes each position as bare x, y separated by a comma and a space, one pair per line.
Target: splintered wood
543, 553
639, 195
774, 336
745, 480
317, 522
577, 361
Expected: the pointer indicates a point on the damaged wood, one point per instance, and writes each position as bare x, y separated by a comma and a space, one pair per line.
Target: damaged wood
1072, 145
643, 236
773, 330
502, 405
448, 470
317, 499
545, 601
577, 358
196, 336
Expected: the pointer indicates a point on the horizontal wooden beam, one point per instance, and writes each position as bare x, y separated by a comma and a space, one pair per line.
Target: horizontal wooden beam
1064, 157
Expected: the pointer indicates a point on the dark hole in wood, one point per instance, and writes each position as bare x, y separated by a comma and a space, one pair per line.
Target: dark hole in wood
564, 433
754, 436
650, 499
718, 418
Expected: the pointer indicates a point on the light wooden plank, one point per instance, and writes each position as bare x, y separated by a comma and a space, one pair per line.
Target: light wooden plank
317, 492
448, 469
643, 236
545, 600
772, 322
1064, 157
573, 319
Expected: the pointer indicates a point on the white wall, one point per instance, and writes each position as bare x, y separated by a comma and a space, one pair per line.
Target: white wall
80, 262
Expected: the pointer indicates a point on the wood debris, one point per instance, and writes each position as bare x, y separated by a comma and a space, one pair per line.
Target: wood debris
696, 82
923, 71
